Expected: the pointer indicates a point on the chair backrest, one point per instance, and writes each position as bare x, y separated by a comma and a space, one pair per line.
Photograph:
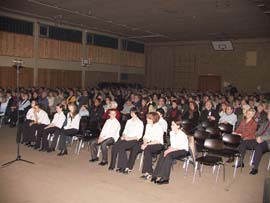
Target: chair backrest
205, 124
188, 128
231, 139
84, 123
201, 135
214, 144
213, 131
225, 128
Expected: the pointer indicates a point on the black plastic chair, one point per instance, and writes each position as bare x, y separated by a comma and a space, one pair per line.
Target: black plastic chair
200, 136
214, 132
187, 127
225, 128
231, 143
213, 157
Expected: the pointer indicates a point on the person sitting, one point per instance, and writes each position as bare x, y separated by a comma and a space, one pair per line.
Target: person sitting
54, 127
108, 136
174, 112
113, 106
132, 134
260, 144
70, 129
3, 106
126, 110
162, 121
261, 115
71, 98
152, 143
229, 117
192, 114
209, 114
95, 114
177, 149
84, 111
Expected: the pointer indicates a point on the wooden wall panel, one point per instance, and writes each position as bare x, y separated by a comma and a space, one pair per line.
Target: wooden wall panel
60, 50
59, 78
8, 77
103, 55
112, 56
92, 78
132, 59
12, 44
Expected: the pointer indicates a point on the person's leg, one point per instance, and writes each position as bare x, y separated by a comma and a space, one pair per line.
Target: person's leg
135, 150
158, 166
246, 144
114, 153
45, 133
259, 151
94, 149
56, 135
122, 155
148, 155
40, 128
65, 133
104, 149
168, 161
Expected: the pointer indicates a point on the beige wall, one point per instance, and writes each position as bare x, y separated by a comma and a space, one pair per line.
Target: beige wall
179, 64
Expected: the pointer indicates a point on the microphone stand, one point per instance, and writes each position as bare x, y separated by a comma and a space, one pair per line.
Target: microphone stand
18, 64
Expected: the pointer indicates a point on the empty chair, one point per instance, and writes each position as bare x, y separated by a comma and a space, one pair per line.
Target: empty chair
231, 143
187, 127
213, 157
200, 136
225, 128
213, 131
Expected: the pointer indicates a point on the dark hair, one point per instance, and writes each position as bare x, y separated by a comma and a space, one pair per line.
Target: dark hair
177, 121
61, 106
134, 110
153, 116
73, 114
161, 111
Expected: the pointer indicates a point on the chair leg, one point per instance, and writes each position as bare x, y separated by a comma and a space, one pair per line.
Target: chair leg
141, 162
80, 146
214, 169
217, 173
195, 171
99, 150
224, 172
186, 169
201, 168
252, 157
268, 167
235, 166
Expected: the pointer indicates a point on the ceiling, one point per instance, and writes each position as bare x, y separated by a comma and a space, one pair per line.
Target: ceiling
154, 20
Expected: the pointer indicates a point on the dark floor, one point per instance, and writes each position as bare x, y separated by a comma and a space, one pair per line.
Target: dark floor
72, 179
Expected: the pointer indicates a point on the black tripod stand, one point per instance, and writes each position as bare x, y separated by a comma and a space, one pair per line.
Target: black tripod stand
18, 64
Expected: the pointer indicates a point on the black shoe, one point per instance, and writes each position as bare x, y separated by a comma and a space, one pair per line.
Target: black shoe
60, 153
103, 163
253, 171
154, 179
65, 152
110, 168
239, 165
41, 150
119, 170
162, 181
93, 160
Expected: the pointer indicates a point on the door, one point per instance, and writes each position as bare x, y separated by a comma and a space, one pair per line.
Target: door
209, 83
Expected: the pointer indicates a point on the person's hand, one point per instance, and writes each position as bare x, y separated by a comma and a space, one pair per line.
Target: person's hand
259, 140
212, 118
143, 146
123, 138
100, 139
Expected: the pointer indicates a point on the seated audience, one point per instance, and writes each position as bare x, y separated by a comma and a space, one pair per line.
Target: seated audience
229, 117
132, 134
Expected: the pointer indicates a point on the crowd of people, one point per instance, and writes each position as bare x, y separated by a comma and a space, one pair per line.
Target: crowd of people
138, 120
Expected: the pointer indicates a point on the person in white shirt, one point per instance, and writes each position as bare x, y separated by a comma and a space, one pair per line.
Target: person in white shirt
30, 117
152, 143
162, 121
84, 111
41, 120
132, 134
179, 148
108, 136
53, 128
70, 129
229, 117
3, 106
